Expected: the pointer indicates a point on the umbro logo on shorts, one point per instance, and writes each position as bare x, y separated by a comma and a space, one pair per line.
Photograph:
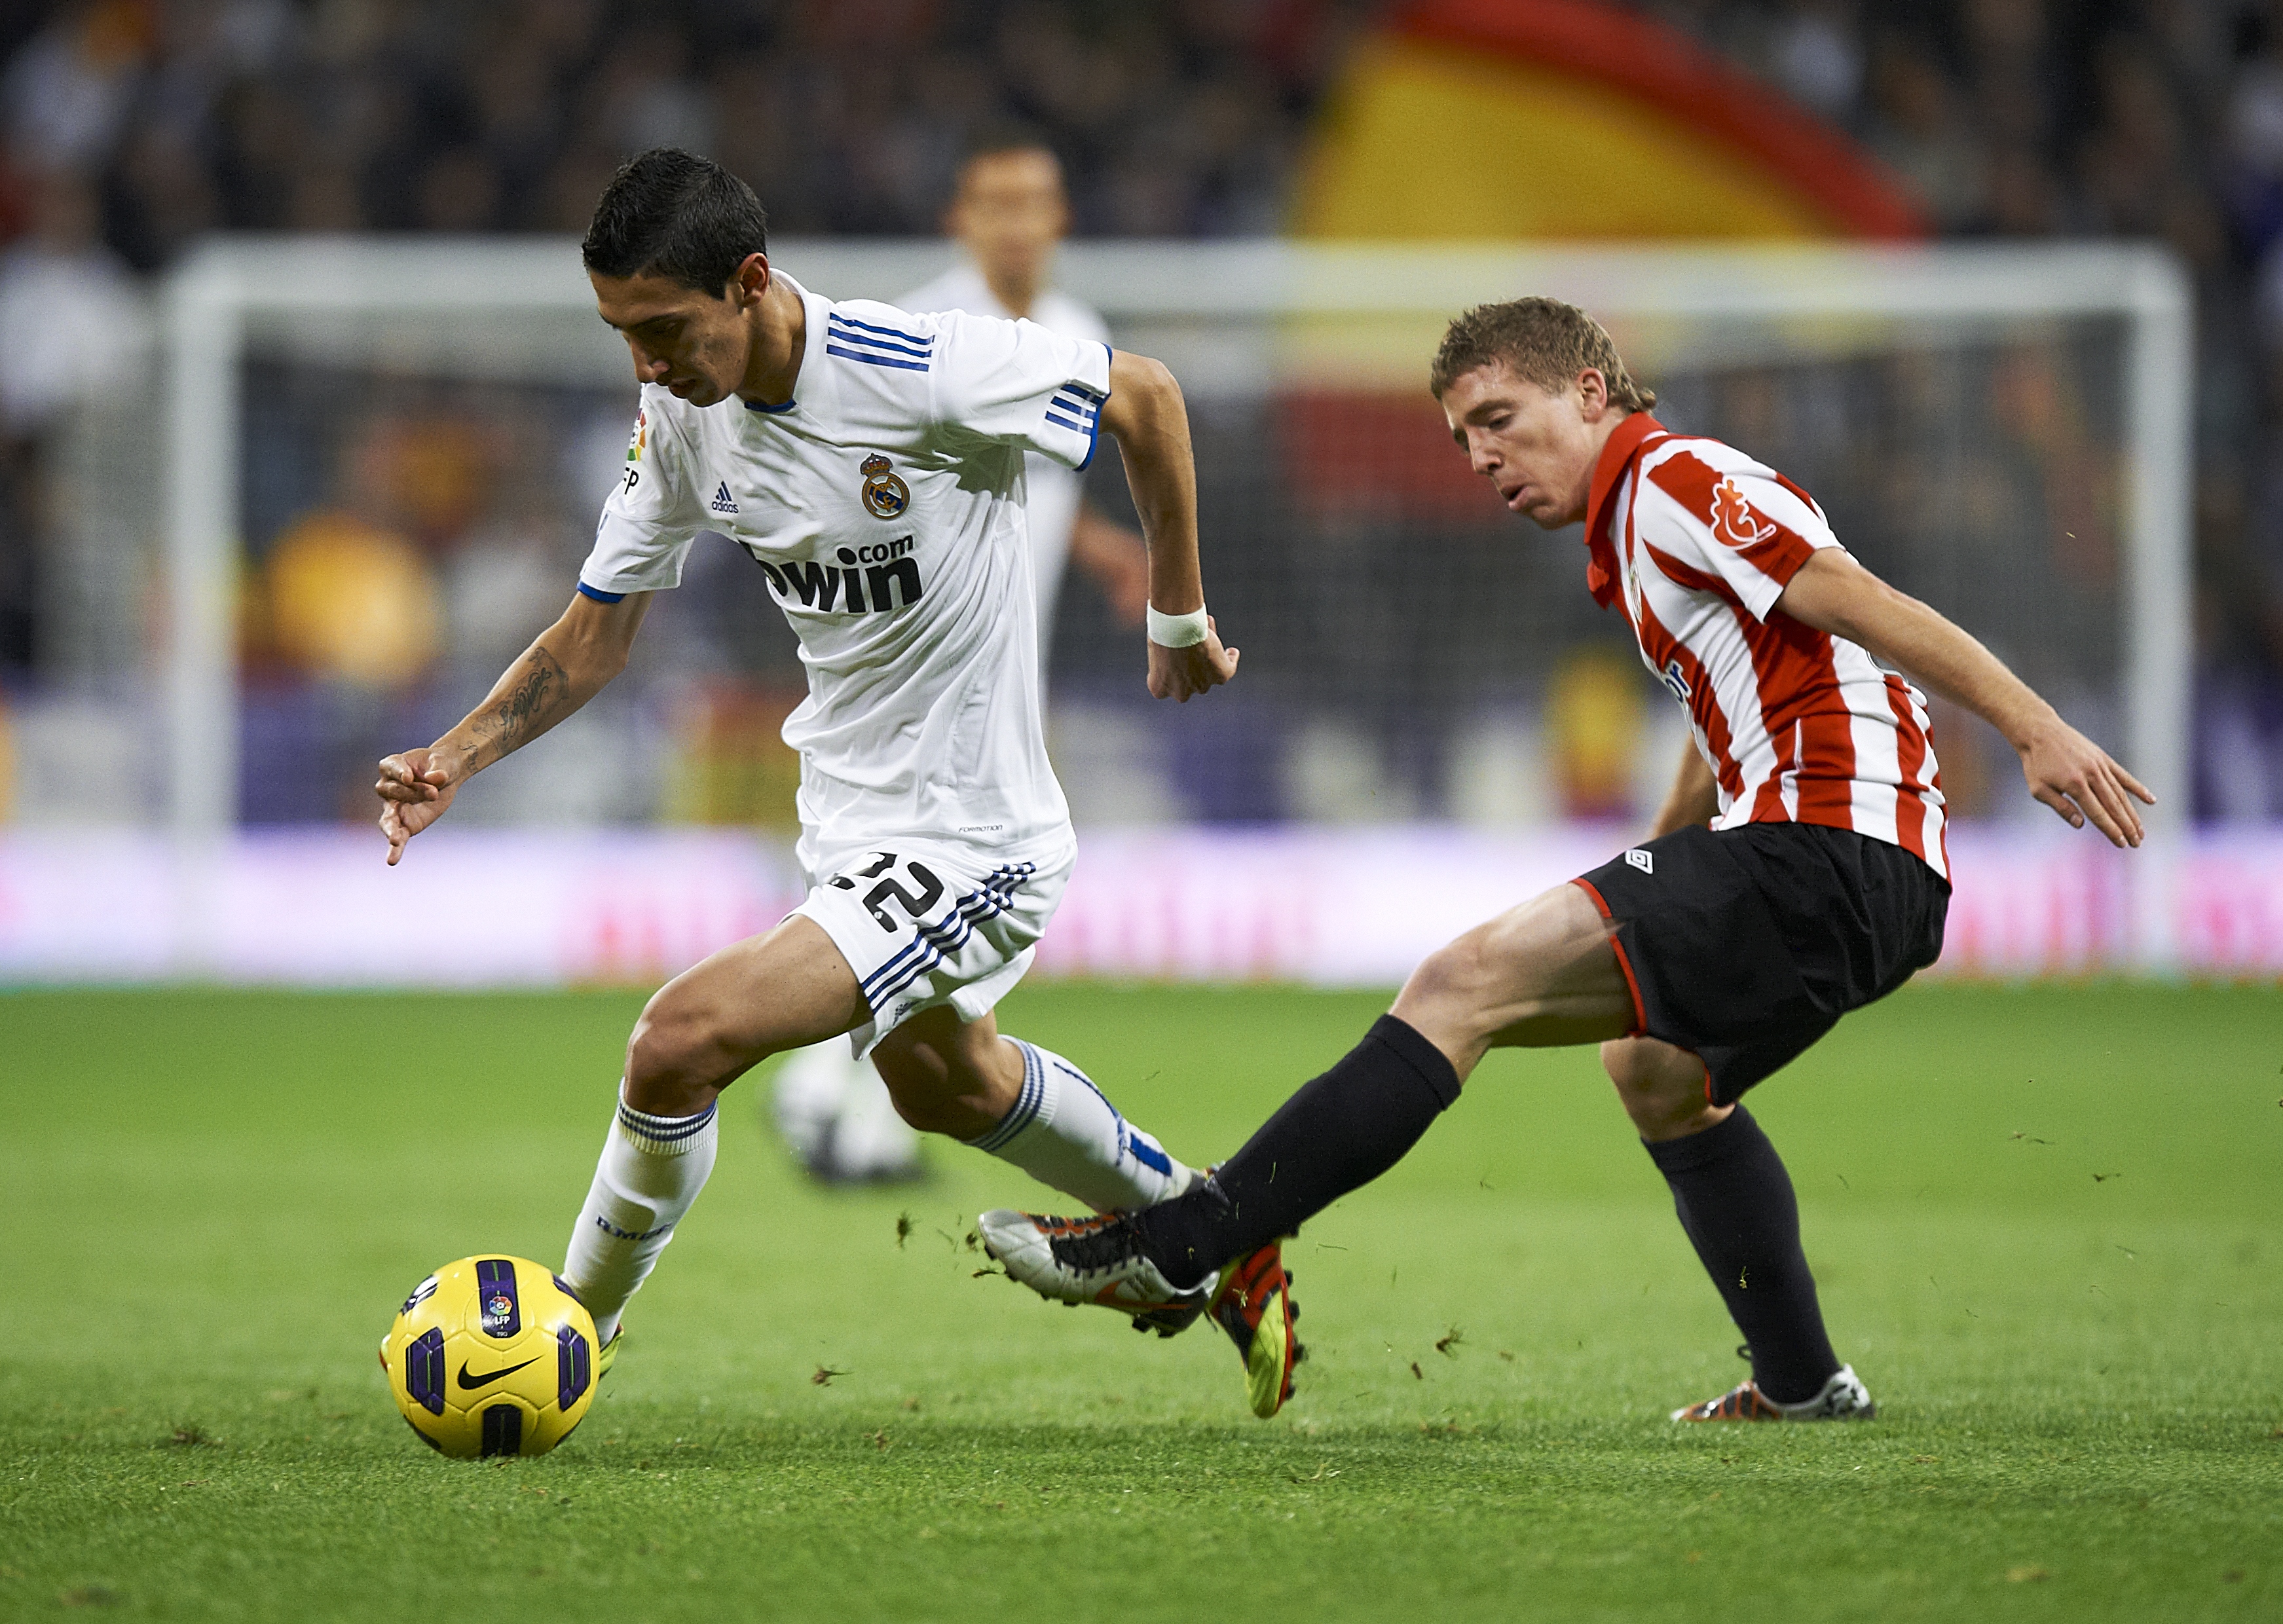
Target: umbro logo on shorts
1642, 859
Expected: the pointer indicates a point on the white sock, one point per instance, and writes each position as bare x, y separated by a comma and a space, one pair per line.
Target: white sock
1062, 1131
653, 1169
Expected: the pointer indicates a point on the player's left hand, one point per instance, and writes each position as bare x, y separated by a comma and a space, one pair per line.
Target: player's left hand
1183, 673
2078, 779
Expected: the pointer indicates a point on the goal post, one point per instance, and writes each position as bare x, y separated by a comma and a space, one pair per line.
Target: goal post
1239, 319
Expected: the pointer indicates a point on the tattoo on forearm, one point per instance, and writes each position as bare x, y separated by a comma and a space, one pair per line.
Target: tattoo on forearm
528, 707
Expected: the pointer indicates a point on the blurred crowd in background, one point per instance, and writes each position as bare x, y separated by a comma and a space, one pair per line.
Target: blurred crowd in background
129, 128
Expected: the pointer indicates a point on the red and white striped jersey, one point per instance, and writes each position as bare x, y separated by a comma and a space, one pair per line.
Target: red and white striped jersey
1694, 541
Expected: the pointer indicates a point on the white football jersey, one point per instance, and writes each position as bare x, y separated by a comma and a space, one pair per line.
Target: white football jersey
1056, 491
885, 503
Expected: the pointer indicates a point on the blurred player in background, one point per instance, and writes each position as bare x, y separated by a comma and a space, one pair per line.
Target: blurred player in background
1796, 871
870, 462
1009, 215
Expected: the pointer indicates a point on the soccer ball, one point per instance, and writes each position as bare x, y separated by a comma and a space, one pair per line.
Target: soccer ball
491, 1355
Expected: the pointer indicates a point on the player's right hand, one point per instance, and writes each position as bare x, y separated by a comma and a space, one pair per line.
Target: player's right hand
415, 788
1183, 673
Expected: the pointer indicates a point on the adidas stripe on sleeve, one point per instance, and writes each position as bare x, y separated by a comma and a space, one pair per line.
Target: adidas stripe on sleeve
892, 340
1016, 383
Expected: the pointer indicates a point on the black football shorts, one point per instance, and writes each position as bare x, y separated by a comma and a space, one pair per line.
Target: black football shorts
1745, 945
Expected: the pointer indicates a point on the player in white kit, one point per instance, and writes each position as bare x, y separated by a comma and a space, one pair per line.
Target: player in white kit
1009, 215
872, 464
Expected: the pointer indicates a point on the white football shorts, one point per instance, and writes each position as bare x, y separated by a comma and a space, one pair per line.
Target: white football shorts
924, 925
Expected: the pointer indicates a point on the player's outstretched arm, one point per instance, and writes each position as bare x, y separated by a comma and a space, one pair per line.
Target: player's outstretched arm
2065, 770
1151, 423
570, 664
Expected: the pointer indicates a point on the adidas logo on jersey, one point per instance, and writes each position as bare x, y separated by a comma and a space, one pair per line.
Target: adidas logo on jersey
723, 502
869, 581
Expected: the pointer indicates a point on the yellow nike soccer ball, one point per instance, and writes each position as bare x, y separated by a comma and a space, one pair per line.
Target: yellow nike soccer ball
491, 1355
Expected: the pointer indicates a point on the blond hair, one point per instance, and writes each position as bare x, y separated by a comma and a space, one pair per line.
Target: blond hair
1545, 341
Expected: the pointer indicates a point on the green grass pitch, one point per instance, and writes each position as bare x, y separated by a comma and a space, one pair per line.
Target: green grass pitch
2046, 1222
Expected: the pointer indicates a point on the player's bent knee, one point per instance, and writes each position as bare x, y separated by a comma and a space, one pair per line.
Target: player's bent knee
934, 1105
1660, 1085
677, 1059
1436, 1002
1448, 982
916, 1079
928, 1113
656, 1056
1661, 1116
1622, 1060
936, 1089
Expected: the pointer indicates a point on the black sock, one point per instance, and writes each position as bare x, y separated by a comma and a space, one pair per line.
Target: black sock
1736, 1200
1339, 1133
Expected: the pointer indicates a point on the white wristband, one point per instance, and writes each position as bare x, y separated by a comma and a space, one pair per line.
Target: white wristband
1177, 630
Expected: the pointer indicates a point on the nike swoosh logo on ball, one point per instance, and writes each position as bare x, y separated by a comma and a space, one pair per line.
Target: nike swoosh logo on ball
485, 1382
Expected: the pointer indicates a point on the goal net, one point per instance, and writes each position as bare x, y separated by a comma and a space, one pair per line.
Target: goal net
383, 460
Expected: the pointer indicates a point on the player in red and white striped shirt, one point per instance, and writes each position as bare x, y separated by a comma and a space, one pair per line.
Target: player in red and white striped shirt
1796, 872
1797, 724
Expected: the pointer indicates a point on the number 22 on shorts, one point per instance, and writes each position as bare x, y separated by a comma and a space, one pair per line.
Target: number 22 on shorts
915, 907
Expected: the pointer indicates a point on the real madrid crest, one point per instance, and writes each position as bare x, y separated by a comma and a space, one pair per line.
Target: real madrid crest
885, 494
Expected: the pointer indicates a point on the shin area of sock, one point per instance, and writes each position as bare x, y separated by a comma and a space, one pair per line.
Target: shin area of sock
1340, 1131
1735, 1203
650, 1172
1064, 1132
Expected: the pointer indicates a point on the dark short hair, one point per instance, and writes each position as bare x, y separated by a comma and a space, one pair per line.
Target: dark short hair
997, 135
1546, 342
672, 214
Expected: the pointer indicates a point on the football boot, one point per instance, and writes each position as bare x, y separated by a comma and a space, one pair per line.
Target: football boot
1843, 1398
1096, 1260
1252, 1302
608, 1354
1099, 1260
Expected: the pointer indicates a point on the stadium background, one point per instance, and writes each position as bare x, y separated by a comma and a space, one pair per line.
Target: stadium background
2041, 1216
1425, 689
